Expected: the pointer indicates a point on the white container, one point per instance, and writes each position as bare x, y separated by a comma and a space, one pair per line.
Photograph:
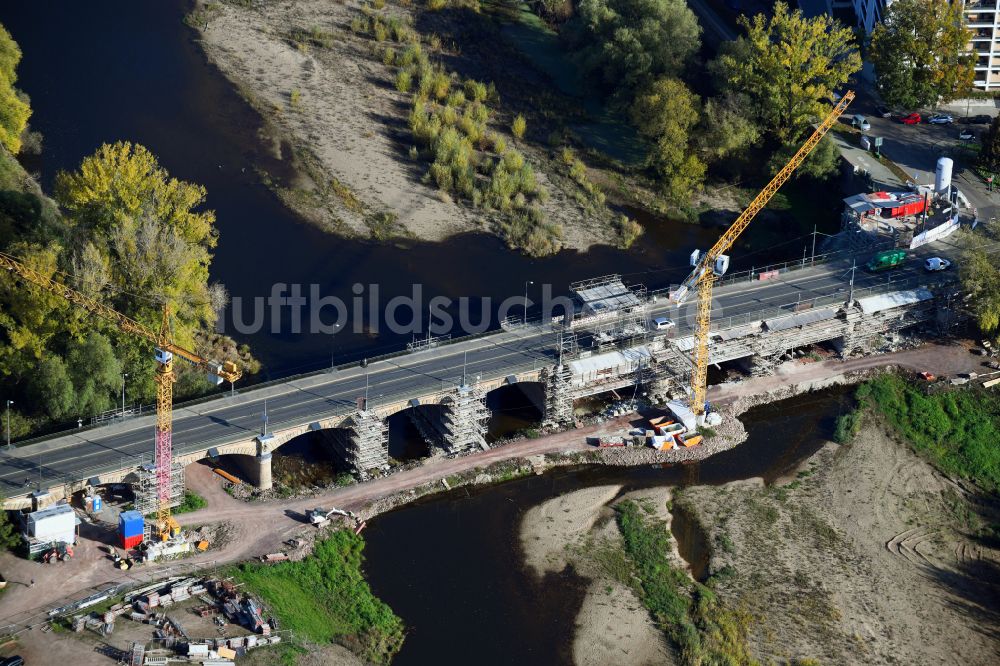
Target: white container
942, 175
58, 520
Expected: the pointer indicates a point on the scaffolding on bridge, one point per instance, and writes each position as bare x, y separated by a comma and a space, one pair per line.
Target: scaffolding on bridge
617, 314
467, 419
364, 443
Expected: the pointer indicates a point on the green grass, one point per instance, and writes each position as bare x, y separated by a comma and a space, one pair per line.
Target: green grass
324, 598
847, 427
191, 502
957, 431
703, 630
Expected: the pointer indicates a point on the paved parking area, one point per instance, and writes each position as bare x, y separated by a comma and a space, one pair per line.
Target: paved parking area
916, 149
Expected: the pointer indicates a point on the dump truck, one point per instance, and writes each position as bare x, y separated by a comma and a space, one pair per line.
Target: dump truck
883, 261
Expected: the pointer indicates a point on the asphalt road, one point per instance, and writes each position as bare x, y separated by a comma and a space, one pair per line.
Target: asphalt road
230, 418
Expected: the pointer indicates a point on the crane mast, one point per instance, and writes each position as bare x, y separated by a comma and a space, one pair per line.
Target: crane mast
165, 350
705, 267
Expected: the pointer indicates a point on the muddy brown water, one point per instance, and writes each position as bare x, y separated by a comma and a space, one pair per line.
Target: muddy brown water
451, 565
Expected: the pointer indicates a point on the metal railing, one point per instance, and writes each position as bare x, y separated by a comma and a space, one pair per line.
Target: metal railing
839, 298
117, 415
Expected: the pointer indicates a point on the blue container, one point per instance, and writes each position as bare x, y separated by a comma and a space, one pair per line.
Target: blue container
98, 504
130, 523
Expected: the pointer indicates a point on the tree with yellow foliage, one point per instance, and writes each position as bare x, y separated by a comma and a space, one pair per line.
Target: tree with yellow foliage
14, 108
787, 67
148, 226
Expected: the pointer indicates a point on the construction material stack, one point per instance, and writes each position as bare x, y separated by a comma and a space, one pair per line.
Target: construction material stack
130, 528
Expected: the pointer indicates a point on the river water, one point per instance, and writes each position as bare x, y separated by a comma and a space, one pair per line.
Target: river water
119, 70
451, 565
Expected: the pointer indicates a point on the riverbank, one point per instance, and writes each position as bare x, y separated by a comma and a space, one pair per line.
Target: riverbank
860, 557
333, 110
262, 526
254, 528
578, 530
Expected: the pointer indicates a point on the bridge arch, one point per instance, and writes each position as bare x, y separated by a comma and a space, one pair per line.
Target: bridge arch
515, 407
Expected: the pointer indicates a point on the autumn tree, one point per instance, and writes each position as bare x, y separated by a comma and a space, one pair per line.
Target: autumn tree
919, 53
665, 114
95, 372
51, 388
821, 163
726, 129
631, 43
149, 233
981, 281
787, 67
989, 155
33, 320
14, 108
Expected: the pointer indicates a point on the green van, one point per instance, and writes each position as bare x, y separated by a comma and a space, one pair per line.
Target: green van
883, 261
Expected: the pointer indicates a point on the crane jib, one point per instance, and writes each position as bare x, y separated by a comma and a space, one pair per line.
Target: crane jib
705, 269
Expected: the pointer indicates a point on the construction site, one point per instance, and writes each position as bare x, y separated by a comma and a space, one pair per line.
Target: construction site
631, 346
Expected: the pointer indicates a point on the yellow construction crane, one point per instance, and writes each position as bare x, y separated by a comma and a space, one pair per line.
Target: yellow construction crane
165, 350
709, 266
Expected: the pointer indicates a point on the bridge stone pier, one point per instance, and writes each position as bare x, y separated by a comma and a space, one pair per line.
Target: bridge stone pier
458, 423
451, 411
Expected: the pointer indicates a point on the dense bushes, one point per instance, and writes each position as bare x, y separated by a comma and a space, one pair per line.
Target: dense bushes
957, 431
324, 598
451, 125
701, 628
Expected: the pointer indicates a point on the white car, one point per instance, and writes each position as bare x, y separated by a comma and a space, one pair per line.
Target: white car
941, 119
662, 324
966, 135
861, 123
936, 264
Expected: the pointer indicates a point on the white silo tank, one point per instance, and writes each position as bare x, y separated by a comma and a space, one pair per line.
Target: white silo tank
942, 176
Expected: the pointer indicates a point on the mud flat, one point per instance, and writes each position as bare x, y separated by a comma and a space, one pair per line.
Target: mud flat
331, 109
867, 555
612, 625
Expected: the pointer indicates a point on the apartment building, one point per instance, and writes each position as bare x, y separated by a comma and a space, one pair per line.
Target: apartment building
981, 17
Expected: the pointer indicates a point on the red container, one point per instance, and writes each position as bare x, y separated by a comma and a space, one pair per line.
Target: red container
131, 542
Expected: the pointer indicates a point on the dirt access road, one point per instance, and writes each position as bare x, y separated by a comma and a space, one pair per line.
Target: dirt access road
261, 527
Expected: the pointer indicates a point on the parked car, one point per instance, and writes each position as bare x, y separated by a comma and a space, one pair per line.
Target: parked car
883, 111
16, 660
911, 119
860, 122
966, 135
982, 119
936, 264
662, 324
941, 119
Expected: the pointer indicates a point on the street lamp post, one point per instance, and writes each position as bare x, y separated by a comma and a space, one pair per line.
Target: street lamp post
124, 375
9, 403
333, 366
526, 301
